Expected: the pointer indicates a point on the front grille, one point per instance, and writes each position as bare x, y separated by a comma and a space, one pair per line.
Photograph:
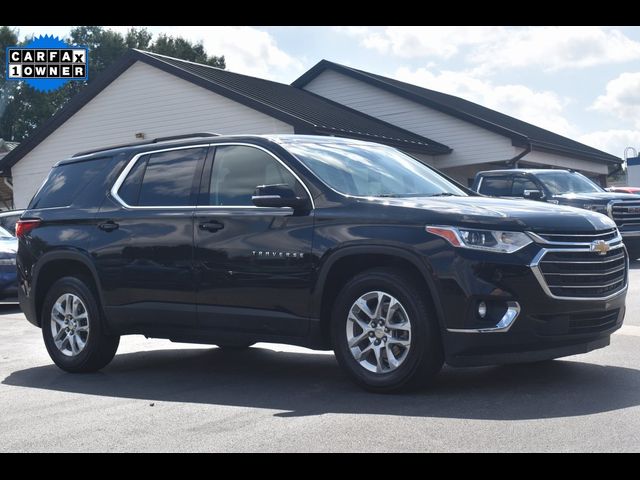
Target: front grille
582, 274
592, 322
626, 212
605, 235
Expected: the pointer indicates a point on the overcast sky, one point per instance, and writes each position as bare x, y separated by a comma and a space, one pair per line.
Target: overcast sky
583, 82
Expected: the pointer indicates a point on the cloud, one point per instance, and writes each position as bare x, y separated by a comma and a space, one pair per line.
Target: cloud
555, 48
613, 141
621, 98
542, 108
247, 50
415, 42
496, 48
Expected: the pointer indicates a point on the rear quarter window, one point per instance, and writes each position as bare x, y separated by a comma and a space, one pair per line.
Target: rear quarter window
65, 182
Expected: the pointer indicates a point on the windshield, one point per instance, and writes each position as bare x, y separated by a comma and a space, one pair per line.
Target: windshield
371, 170
561, 182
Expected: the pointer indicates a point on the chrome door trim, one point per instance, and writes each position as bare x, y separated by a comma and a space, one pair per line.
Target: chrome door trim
120, 180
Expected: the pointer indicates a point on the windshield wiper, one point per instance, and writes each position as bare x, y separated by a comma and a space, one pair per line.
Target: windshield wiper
444, 194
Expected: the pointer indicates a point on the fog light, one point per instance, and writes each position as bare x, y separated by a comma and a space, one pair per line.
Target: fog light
482, 309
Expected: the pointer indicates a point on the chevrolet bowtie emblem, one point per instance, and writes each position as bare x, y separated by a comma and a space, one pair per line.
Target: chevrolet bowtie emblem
600, 246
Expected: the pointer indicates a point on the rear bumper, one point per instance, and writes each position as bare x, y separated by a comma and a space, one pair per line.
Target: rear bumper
27, 305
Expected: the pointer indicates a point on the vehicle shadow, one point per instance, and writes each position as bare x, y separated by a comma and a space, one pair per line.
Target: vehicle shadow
634, 264
313, 384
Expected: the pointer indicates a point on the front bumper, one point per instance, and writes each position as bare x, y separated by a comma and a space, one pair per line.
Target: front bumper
543, 328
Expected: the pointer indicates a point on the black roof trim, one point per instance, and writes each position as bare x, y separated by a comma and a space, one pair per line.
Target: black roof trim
521, 133
306, 112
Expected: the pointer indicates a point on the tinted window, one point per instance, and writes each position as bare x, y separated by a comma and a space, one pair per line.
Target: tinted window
368, 169
238, 170
168, 178
65, 182
130, 188
562, 181
520, 184
496, 186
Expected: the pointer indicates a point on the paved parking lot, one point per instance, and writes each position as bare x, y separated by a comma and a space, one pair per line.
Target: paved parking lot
160, 396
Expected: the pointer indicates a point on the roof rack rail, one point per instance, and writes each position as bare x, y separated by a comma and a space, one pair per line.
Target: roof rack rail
149, 142
185, 135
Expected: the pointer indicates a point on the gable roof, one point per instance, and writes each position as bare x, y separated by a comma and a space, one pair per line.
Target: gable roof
306, 111
521, 133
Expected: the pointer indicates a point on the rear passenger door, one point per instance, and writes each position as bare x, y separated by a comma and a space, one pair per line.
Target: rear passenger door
144, 252
253, 263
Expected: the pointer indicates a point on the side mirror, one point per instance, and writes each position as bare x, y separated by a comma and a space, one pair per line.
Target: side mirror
278, 195
533, 195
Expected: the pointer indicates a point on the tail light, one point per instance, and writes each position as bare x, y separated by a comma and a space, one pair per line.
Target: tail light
25, 226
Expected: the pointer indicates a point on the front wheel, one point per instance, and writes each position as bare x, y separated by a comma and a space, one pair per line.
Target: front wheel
384, 333
73, 330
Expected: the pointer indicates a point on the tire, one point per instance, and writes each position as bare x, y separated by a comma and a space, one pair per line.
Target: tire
99, 348
418, 364
236, 346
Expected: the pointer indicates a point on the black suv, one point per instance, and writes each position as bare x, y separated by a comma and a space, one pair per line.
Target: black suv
566, 187
316, 241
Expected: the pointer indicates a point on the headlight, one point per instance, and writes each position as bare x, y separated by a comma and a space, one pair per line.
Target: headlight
488, 240
596, 208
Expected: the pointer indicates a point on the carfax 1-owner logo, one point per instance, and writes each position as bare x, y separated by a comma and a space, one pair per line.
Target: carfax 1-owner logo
47, 63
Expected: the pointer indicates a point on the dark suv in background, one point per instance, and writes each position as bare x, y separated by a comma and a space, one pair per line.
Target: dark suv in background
316, 241
566, 187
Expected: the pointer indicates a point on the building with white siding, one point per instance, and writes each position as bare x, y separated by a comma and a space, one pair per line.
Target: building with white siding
147, 95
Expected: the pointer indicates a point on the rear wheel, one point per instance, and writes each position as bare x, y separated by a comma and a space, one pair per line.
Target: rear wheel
384, 333
73, 329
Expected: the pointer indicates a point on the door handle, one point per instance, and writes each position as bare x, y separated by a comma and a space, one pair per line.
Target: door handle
108, 226
211, 226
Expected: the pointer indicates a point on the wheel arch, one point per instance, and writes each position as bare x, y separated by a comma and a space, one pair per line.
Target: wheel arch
57, 264
346, 262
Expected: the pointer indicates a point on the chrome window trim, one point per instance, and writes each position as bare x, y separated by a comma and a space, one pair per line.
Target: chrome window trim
611, 241
505, 323
123, 175
535, 268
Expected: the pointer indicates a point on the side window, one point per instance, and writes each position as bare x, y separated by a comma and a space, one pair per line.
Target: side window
496, 186
163, 179
520, 184
130, 188
65, 182
238, 170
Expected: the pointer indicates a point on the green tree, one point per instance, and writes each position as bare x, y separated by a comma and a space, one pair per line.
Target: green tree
23, 109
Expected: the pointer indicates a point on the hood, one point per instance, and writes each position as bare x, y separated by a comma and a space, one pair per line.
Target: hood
497, 213
598, 197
